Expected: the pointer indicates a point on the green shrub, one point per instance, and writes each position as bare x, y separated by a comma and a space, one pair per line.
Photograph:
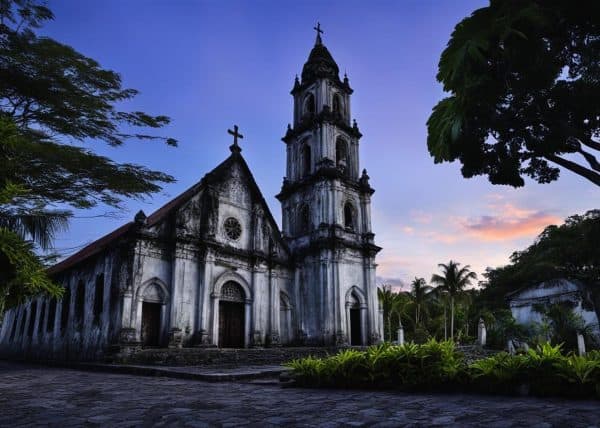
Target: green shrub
501, 373
541, 372
440, 363
408, 366
434, 365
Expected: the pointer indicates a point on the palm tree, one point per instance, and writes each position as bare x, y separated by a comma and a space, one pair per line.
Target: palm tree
452, 281
419, 292
19, 231
39, 226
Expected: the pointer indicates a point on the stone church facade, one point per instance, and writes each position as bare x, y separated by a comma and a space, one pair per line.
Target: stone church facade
212, 268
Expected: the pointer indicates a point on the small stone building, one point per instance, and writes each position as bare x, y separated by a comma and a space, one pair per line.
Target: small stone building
212, 268
523, 301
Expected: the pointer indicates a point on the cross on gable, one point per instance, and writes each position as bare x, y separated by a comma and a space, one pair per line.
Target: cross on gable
318, 29
235, 134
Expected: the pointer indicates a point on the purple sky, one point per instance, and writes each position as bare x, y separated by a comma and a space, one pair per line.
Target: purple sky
210, 64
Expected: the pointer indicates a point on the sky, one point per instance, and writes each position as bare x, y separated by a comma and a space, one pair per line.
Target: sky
211, 64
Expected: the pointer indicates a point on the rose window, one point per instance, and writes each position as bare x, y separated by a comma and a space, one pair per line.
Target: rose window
233, 228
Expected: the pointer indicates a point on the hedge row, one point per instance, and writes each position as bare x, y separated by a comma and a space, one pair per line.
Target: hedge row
439, 366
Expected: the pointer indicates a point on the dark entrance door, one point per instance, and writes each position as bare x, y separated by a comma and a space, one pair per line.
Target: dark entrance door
151, 324
231, 324
355, 333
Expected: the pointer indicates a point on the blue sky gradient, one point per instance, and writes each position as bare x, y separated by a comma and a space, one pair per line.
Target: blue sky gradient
210, 64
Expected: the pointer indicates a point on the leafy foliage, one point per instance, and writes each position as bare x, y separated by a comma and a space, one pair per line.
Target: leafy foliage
564, 325
545, 370
21, 272
408, 366
51, 97
523, 79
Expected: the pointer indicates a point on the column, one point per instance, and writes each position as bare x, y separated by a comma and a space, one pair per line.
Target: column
247, 323
204, 301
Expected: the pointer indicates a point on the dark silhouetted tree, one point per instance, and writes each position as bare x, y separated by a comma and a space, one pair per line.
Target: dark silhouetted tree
51, 98
524, 84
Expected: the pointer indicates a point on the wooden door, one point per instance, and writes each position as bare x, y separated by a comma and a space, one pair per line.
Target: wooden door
231, 324
355, 333
151, 324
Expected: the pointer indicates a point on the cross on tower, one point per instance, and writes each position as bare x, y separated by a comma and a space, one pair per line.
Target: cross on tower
318, 29
235, 134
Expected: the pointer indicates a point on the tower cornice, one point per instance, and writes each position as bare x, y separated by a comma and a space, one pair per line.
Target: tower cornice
333, 237
326, 171
313, 123
343, 86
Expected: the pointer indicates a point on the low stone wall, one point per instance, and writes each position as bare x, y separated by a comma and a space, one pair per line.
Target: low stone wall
223, 357
474, 352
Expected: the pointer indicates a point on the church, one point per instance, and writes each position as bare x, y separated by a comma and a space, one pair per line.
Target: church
212, 268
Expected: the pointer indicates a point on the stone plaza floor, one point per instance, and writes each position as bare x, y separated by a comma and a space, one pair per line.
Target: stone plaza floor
36, 395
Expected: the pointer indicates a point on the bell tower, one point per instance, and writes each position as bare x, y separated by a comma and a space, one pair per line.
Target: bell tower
326, 209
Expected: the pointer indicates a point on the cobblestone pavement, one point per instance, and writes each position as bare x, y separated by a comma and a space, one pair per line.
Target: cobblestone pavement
35, 395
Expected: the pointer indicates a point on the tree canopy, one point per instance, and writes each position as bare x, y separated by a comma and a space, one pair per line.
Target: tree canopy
524, 84
53, 101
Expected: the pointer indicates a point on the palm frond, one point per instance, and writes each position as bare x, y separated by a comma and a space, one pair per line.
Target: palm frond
40, 226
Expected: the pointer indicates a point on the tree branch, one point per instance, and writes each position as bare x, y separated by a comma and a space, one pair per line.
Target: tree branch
590, 143
594, 164
576, 168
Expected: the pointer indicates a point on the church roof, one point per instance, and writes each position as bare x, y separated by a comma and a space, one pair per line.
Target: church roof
320, 64
163, 212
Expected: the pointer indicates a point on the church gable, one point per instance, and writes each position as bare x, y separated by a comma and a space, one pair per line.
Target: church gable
241, 216
225, 207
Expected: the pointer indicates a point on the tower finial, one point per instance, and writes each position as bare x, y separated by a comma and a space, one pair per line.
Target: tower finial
319, 32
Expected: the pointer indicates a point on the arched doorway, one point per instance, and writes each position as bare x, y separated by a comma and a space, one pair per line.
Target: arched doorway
231, 316
151, 324
355, 322
152, 299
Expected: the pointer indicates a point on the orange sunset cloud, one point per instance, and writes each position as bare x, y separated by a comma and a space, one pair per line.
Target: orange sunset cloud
512, 223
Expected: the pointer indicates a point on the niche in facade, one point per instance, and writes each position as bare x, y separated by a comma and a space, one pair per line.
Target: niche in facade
308, 107
349, 216
341, 153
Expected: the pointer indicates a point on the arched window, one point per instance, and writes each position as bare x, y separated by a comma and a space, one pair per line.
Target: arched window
32, 318
80, 303
232, 292
306, 160
337, 105
51, 315
98, 298
304, 219
349, 216
42, 315
66, 302
24, 322
341, 153
308, 109
14, 326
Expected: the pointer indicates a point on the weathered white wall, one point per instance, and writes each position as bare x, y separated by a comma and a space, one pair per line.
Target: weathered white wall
561, 290
83, 340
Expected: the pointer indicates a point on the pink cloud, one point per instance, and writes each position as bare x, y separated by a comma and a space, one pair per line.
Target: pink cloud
510, 223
